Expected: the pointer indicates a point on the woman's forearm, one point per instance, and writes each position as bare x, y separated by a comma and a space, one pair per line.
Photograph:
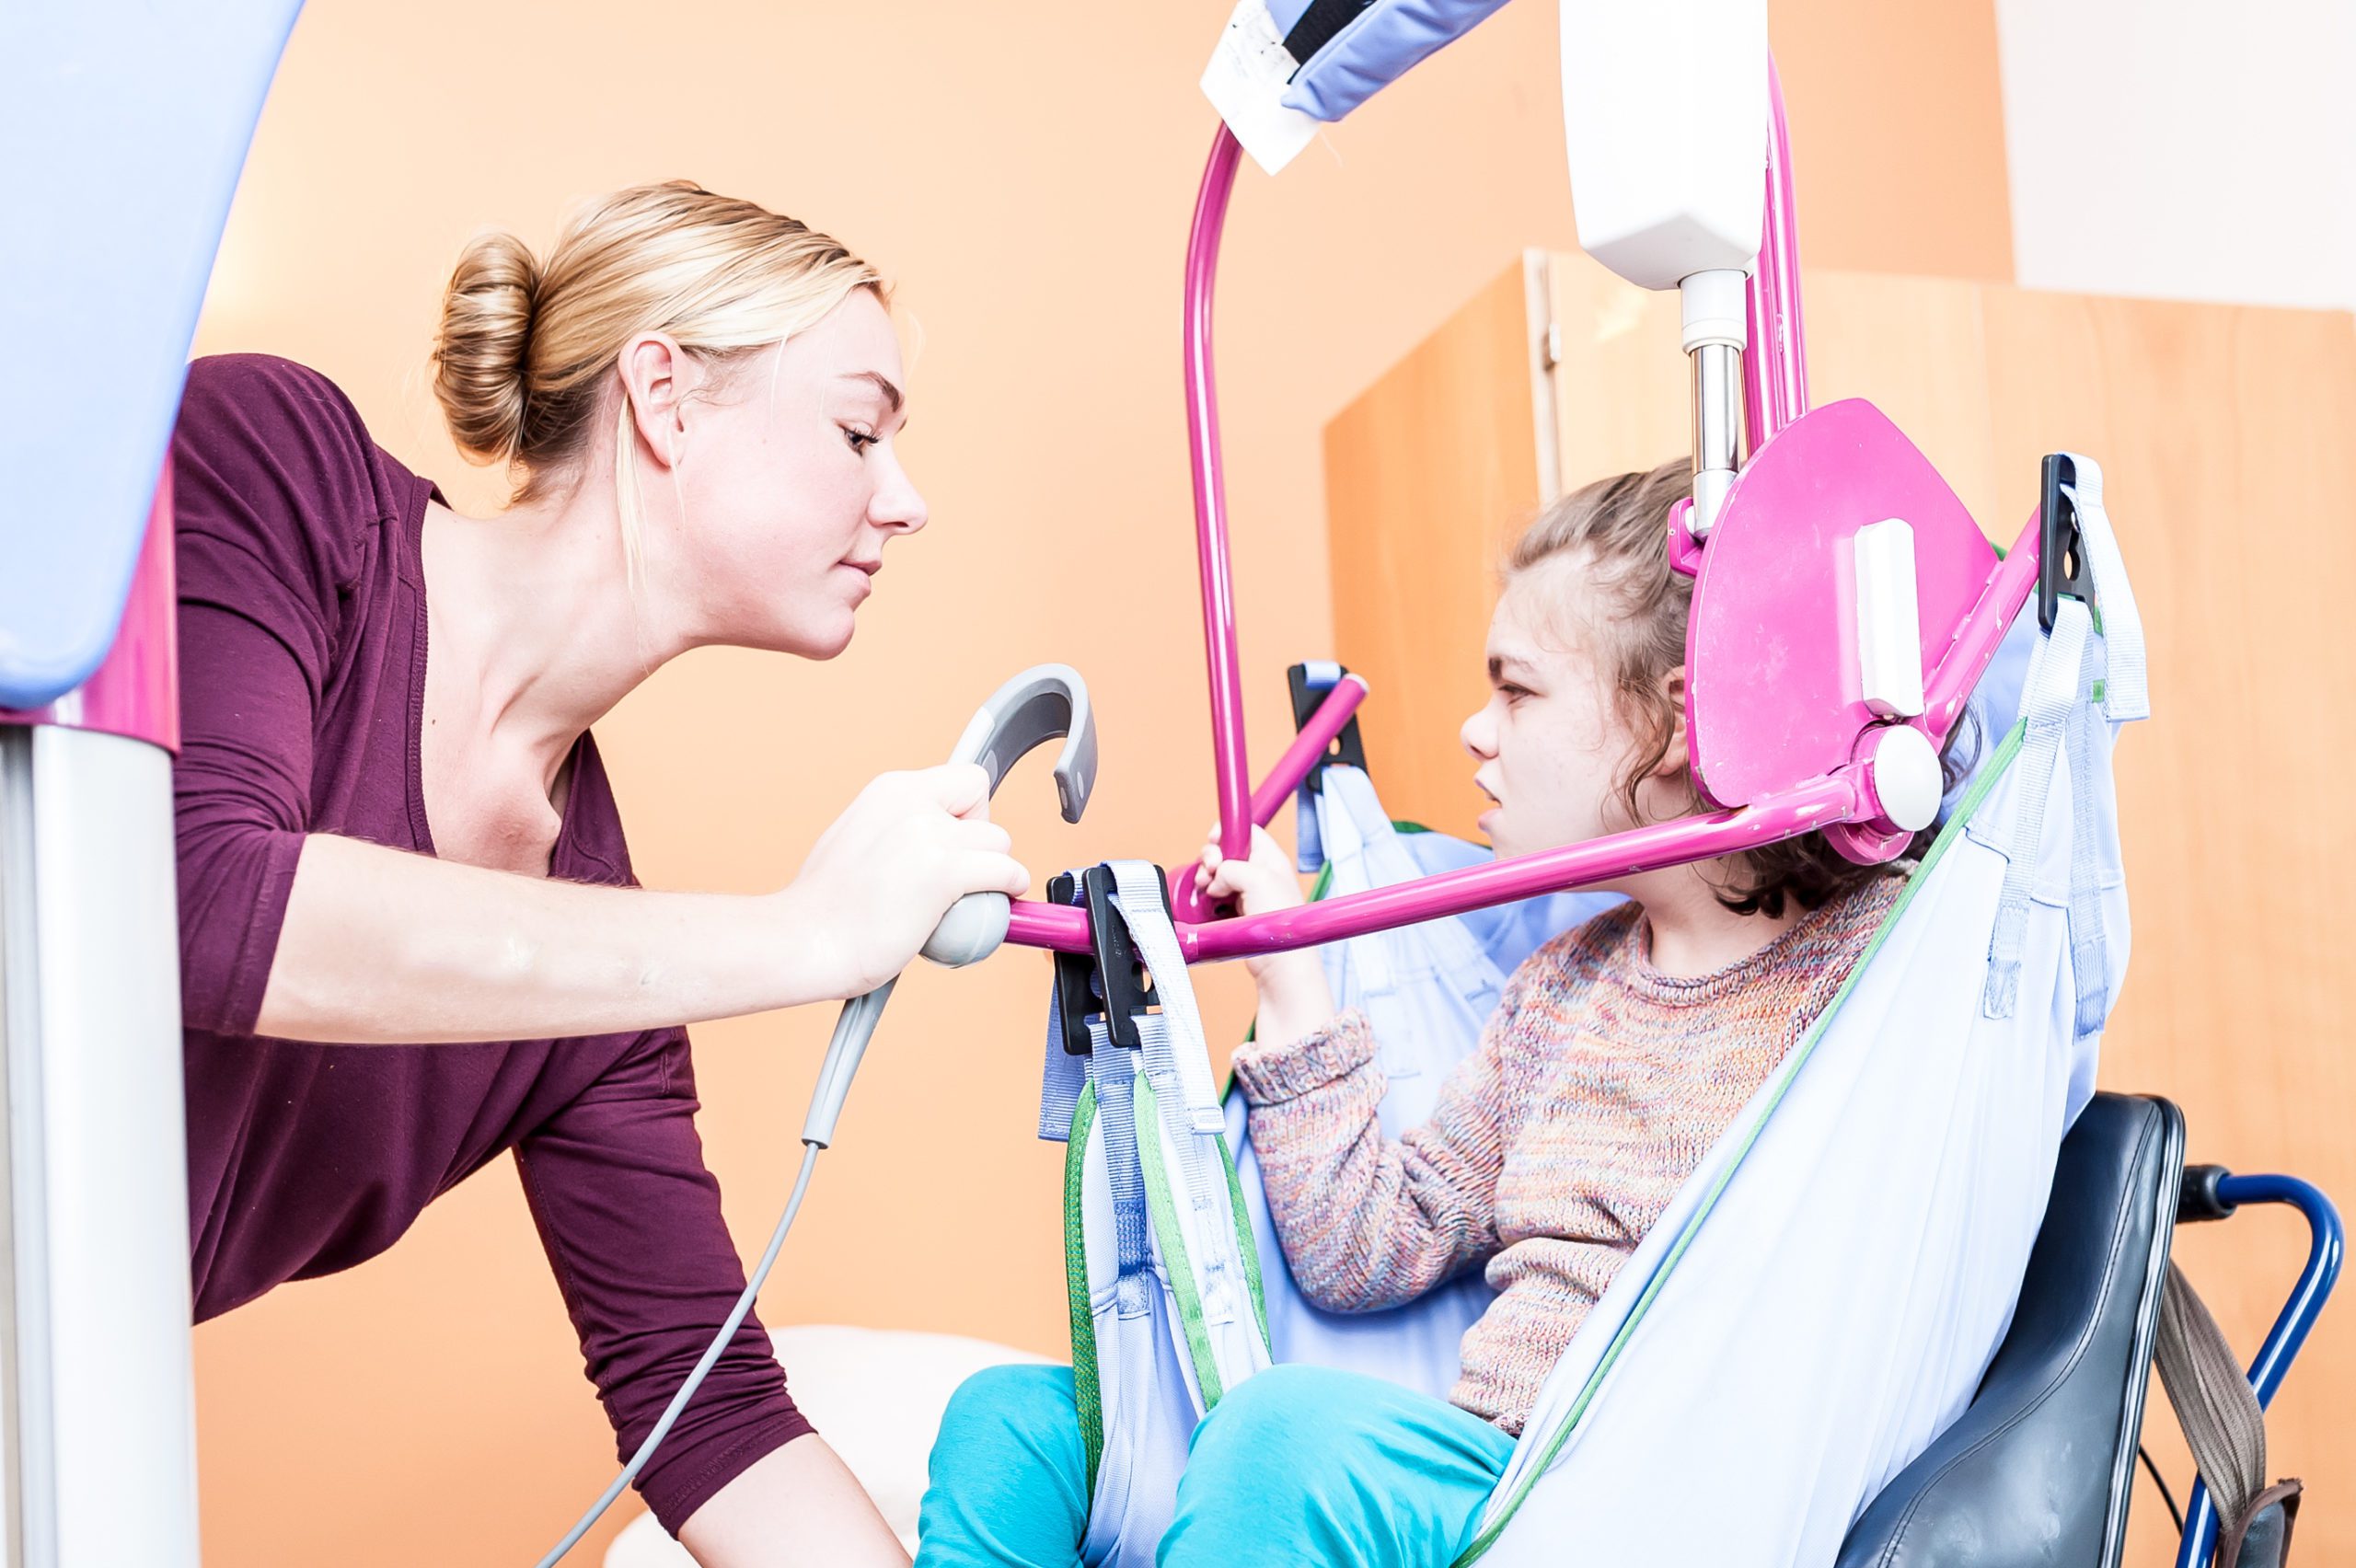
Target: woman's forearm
381, 947
796, 1508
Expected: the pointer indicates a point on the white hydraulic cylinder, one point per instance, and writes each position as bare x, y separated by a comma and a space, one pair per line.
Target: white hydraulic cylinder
1665, 119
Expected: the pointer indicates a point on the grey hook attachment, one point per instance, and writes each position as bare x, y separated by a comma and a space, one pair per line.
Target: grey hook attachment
1044, 703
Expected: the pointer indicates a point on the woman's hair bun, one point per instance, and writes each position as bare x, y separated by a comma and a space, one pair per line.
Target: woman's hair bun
481, 370
524, 361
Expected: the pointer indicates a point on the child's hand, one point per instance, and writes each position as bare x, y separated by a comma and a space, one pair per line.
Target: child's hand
1293, 993
1265, 882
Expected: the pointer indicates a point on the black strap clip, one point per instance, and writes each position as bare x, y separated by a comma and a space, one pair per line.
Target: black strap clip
1110, 979
2062, 564
1348, 747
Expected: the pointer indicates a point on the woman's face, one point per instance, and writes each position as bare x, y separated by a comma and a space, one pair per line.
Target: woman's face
1552, 744
787, 483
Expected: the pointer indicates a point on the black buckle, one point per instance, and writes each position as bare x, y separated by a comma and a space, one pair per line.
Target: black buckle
1075, 976
2062, 564
1113, 968
1348, 747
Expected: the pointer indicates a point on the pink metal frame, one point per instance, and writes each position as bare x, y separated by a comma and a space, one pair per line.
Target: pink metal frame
1775, 387
135, 691
1776, 395
1233, 772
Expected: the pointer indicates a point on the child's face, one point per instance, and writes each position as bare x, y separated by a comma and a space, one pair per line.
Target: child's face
1552, 746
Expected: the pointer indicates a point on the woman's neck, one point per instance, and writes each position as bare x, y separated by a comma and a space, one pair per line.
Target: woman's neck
1693, 933
535, 628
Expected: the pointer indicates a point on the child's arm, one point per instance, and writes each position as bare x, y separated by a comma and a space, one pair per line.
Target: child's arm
1366, 1223
1295, 1000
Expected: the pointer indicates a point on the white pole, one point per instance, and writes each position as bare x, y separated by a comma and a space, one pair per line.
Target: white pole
97, 1382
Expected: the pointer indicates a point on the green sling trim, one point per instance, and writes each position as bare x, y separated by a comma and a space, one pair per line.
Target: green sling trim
1086, 1391
1173, 1242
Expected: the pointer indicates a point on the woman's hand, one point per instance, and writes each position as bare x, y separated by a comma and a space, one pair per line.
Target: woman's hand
1294, 997
880, 879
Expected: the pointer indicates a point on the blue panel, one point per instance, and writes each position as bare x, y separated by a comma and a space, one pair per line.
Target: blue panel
124, 126
1379, 45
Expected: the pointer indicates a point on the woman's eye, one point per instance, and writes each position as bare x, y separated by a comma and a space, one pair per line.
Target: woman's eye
859, 440
1512, 693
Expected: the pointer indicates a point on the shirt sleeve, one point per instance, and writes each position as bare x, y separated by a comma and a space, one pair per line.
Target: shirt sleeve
632, 1221
1368, 1222
254, 470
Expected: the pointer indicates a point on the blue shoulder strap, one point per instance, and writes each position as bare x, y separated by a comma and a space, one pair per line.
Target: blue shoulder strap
1350, 50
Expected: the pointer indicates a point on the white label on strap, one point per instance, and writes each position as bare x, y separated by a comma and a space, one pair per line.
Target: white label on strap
1245, 82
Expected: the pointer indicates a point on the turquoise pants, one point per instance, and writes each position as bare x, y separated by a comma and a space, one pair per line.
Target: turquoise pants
1298, 1465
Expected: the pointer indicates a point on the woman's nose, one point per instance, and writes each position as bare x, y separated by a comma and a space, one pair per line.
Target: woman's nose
896, 505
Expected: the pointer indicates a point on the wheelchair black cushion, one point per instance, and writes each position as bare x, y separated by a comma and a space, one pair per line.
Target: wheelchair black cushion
2037, 1469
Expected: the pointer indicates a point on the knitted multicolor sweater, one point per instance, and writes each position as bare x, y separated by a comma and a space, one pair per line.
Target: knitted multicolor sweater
1599, 1086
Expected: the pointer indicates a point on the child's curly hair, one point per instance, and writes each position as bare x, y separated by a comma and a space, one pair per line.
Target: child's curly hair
1621, 529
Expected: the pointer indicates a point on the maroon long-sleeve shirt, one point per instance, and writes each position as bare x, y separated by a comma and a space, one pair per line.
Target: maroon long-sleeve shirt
302, 639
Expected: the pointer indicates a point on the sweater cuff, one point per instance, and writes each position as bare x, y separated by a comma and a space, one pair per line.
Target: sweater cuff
1276, 1073
237, 1009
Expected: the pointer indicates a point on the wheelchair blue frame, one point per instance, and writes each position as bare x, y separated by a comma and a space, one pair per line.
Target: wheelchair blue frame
2327, 1242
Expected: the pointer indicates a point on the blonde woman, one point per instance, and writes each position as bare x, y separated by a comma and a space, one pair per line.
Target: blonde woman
411, 939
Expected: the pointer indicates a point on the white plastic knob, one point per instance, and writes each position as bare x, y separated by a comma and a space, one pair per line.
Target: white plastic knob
1907, 780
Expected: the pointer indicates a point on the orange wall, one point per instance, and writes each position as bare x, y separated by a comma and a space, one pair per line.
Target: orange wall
1032, 203
1897, 135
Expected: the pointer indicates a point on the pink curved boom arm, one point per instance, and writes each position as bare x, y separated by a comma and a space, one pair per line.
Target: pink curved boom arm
1232, 769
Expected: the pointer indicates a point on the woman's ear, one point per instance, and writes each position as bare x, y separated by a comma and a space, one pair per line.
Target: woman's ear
657, 376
